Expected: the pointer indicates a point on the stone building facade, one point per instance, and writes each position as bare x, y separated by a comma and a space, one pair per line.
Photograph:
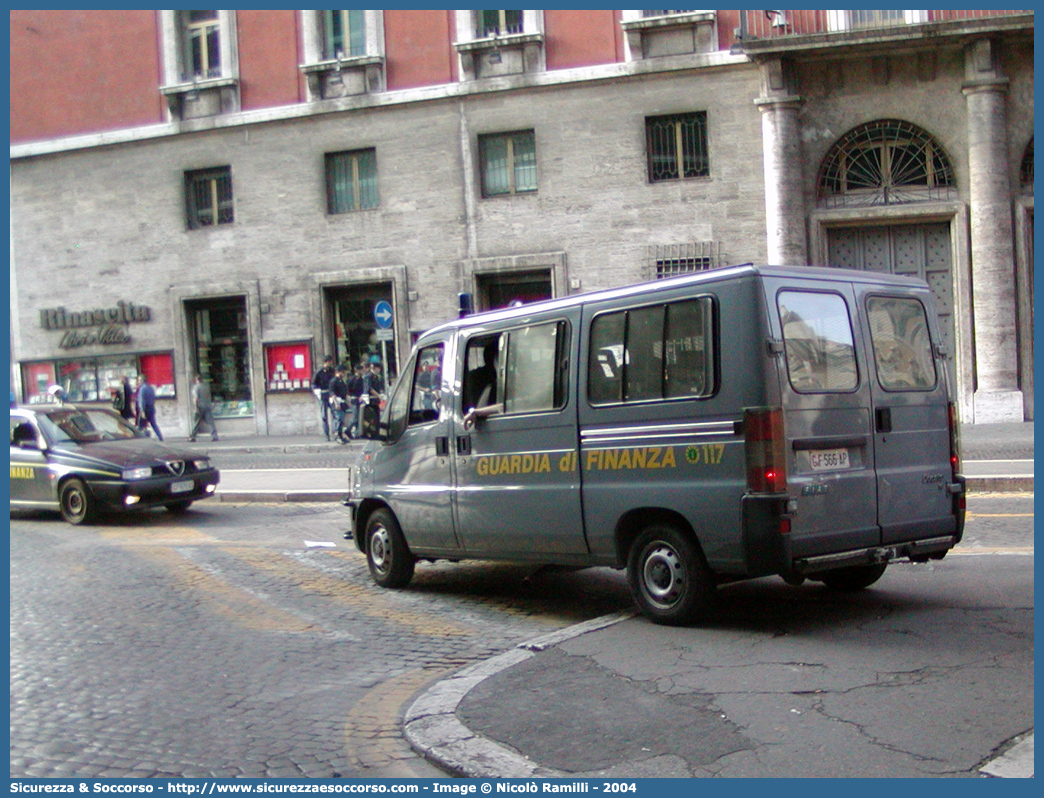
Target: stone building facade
285, 204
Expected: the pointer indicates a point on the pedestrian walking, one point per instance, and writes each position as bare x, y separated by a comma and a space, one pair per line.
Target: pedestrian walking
127, 394
203, 403
147, 407
321, 389
339, 403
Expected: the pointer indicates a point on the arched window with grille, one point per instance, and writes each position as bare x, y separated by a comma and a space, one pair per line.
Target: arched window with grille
885, 162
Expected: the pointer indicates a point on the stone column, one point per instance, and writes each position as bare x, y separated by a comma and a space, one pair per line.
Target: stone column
781, 141
994, 300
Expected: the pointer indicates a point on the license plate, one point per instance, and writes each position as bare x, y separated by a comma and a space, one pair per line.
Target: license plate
182, 487
829, 459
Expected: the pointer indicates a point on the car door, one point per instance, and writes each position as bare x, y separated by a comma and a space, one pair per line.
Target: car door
414, 471
31, 481
826, 402
911, 416
517, 482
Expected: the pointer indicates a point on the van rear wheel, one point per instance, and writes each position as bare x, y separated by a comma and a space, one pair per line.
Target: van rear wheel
855, 577
669, 577
389, 558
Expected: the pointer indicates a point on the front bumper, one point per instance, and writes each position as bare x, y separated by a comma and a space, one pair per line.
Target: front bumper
156, 492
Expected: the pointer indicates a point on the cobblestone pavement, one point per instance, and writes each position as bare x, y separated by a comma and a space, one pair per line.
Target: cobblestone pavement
221, 644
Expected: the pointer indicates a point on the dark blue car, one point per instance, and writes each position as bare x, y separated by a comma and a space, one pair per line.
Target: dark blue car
83, 461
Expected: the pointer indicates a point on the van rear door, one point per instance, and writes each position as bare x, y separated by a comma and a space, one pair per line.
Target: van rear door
825, 396
911, 415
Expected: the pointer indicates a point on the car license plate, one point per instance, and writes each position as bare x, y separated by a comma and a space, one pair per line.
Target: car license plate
182, 487
829, 459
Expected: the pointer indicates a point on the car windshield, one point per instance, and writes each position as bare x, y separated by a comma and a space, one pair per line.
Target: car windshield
80, 425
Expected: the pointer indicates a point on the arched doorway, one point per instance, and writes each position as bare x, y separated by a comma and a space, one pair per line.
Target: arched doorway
881, 165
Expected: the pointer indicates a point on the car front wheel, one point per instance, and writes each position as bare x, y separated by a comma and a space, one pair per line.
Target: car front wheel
391, 563
76, 503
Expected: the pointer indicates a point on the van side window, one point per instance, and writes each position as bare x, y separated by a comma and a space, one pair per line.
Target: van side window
653, 353
534, 375
426, 400
902, 346
522, 369
817, 334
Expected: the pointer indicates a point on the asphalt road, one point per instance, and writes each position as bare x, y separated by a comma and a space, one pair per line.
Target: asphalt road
227, 643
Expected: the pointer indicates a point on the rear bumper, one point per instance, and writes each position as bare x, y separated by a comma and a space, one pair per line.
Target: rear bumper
768, 550
915, 550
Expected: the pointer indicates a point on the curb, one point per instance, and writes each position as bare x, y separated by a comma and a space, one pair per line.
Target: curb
273, 496
1000, 484
432, 729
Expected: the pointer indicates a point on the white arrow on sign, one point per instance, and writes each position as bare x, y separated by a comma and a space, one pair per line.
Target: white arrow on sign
382, 314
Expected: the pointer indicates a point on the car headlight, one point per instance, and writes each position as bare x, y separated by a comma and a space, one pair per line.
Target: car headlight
137, 473
201, 465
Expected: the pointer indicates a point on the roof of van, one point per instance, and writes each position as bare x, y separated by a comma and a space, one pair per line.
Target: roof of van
696, 278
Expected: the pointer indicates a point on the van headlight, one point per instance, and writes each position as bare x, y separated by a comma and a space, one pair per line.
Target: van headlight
137, 473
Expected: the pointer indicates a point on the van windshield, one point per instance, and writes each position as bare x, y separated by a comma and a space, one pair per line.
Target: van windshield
817, 334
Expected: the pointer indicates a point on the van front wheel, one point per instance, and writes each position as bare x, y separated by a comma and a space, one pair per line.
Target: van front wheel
669, 577
390, 561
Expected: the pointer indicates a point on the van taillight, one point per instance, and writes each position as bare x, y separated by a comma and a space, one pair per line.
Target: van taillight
766, 450
955, 439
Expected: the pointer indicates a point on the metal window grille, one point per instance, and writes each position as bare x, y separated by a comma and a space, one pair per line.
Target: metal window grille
498, 23
508, 163
665, 13
208, 194
351, 181
344, 33
677, 146
676, 259
202, 32
886, 162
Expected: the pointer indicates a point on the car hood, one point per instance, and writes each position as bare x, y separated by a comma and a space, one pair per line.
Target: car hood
129, 453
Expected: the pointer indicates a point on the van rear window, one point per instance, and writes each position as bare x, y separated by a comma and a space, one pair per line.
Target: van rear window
817, 335
653, 353
902, 346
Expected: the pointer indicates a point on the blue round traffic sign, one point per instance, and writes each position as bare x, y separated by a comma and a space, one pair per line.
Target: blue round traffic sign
382, 314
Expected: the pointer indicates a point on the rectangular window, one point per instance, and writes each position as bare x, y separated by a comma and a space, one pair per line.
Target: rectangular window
902, 346
427, 386
653, 353
288, 366
508, 163
93, 379
677, 146
817, 337
351, 181
523, 370
221, 346
344, 33
208, 197
202, 42
498, 23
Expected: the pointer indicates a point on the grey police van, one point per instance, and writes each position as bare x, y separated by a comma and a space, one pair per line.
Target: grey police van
725, 425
